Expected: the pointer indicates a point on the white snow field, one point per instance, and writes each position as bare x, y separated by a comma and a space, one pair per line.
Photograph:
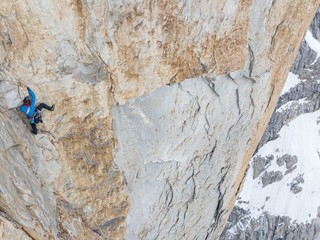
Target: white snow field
301, 138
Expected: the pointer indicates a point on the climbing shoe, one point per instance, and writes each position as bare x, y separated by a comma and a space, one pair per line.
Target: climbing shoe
52, 107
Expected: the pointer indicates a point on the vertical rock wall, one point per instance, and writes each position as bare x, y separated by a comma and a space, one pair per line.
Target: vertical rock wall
280, 165
181, 150
183, 143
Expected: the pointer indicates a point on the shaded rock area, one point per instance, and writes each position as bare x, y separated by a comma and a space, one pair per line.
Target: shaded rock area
271, 177
294, 185
290, 162
259, 164
309, 91
241, 227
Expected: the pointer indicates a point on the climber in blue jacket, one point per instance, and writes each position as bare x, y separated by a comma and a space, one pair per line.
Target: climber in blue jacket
33, 113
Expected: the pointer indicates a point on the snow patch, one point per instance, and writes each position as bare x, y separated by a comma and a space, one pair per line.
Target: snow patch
301, 137
313, 44
292, 80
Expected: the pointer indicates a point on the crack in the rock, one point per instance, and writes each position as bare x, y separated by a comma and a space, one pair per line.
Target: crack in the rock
210, 154
210, 83
112, 89
269, 11
232, 79
238, 101
228, 133
138, 24
197, 110
6, 216
169, 195
273, 40
251, 56
270, 98
237, 92
168, 203
251, 98
175, 223
252, 103
186, 91
252, 79
218, 211
207, 125
196, 113
193, 195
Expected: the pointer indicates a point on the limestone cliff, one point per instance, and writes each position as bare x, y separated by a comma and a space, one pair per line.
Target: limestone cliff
280, 165
159, 107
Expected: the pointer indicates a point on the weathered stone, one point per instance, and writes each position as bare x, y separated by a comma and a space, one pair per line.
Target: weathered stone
240, 224
290, 162
271, 177
294, 185
259, 164
12, 231
268, 227
90, 56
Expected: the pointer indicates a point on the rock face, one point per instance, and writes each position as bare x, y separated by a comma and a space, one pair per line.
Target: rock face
294, 154
159, 107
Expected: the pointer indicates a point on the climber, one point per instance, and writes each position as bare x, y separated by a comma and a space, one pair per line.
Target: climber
33, 114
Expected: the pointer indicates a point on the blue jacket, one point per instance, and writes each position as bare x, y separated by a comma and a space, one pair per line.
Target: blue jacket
29, 110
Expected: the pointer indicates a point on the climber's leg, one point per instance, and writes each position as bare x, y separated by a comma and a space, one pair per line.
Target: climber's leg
45, 106
34, 128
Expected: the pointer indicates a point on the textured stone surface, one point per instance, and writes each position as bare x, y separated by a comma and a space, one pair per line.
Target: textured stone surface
271, 177
240, 224
268, 227
260, 163
88, 56
176, 168
26, 199
11, 231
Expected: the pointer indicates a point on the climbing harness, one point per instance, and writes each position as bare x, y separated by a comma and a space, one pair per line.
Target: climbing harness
37, 116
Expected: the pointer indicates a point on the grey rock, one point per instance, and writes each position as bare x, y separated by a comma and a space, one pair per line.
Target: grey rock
308, 90
294, 185
260, 163
314, 28
290, 162
271, 177
240, 225
304, 59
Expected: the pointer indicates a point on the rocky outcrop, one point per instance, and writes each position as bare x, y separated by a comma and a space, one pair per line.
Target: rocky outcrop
159, 107
308, 91
267, 226
10, 230
301, 99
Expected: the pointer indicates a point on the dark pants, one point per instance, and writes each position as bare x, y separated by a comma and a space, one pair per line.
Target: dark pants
43, 105
39, 107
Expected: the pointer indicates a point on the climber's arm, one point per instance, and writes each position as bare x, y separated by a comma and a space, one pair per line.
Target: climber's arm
33, 99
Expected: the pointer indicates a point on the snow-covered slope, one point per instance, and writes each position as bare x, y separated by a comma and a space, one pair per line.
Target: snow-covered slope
291, 175
281, 193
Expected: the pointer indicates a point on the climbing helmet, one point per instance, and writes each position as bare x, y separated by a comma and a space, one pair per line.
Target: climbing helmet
27, 100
